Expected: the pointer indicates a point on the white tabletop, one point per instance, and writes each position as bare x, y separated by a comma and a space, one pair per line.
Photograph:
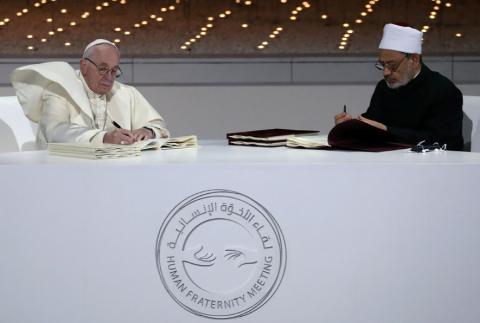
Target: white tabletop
219, 152
355, 236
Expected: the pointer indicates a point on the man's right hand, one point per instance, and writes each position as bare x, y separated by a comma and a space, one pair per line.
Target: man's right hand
341, 117
119, 136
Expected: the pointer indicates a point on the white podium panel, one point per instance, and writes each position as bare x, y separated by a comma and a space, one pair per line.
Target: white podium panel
241, 234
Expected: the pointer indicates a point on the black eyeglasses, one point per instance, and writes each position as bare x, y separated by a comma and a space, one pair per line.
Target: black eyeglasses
392, 67
423, 147
102, 70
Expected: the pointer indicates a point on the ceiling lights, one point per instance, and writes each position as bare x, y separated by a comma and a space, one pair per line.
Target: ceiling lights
184, 24
433, 14
155, 17
211, 22
21, 13
349, 29
61, 29
278, 29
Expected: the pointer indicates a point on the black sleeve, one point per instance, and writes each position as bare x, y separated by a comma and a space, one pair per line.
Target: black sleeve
374, 111
411, 135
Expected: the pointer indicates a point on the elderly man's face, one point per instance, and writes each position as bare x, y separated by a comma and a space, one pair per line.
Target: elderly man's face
103, 57
399, 69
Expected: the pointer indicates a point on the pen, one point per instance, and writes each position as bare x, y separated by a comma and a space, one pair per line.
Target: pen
344, 109
128, 134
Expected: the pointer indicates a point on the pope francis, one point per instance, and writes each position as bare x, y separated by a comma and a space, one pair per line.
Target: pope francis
86, 105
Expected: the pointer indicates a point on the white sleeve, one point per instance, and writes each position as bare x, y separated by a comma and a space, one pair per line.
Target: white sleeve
146, 116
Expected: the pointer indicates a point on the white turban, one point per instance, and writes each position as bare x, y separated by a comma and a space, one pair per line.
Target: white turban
98, 42
401, 39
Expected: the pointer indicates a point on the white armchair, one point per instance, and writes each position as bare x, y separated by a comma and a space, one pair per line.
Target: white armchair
17, 133
471, 118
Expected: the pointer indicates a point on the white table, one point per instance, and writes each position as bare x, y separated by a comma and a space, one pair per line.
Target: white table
334, 237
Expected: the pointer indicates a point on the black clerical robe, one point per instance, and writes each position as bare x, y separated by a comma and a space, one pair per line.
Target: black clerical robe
428, 108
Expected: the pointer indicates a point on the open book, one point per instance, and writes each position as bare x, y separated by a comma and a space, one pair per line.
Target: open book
105, 151
265, 137
350, 135
167, 143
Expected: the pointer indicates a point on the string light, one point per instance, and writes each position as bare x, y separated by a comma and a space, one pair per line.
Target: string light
23, 12
293, 17
187, 45
433, 14
292, 10
152, 16
65, 11
348, 30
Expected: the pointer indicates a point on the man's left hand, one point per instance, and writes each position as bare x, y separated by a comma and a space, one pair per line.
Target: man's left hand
142, 134
373, 123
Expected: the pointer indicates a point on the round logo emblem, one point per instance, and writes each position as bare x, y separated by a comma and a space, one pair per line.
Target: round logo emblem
220, 254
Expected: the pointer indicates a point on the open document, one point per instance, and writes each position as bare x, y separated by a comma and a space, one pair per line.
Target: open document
350, 135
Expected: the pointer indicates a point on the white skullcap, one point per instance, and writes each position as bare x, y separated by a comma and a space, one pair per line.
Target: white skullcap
98, 42
401, 39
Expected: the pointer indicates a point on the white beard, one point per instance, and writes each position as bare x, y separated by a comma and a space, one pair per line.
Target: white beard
408, 76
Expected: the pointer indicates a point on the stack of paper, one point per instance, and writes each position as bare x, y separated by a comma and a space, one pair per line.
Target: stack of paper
104, 151
181, 142
266, 137
92, 151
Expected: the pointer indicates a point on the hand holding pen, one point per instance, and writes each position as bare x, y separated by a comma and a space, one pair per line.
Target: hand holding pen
119, 136
344, 116
139, 134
